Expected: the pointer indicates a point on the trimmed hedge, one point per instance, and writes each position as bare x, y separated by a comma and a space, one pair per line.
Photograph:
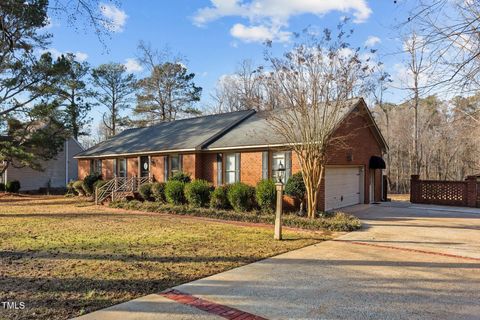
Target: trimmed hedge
174, 192
219, 199
295, 186
158, 191
78, 187
197, 193
12, 186
89, 181
337, 221
99, 184
265, 195
241, 196
181, 176
145, 191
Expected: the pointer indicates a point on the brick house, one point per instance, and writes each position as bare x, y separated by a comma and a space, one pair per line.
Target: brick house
242, 146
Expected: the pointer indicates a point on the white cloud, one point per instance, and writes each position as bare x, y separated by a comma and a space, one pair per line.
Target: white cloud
258, 33
271, 17
115, 18
372, 41
79, 56
132, 65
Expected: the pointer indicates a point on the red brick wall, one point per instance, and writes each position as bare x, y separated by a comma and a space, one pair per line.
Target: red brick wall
208, 167
251, 167
295, 163
132, 167
107, 169
83, 168
189, 165
157, 168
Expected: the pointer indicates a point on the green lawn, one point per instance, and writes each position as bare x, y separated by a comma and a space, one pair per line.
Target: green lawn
64, 257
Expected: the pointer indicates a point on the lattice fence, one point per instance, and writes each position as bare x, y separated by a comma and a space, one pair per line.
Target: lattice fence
443, 192
453, 193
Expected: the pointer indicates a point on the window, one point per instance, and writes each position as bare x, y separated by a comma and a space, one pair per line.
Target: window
175, 164
232, 168
122, 167
96, 166
279, 166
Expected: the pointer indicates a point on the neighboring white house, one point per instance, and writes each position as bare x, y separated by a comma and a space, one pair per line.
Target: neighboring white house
56, 174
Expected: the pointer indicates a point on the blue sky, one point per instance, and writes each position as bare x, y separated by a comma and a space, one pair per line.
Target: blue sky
216, 35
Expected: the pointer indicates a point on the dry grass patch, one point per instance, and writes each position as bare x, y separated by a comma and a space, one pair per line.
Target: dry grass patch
64, 256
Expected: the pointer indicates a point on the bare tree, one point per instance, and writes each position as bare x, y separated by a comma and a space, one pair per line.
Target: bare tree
419, 68
314, 83
450, 30
247, 88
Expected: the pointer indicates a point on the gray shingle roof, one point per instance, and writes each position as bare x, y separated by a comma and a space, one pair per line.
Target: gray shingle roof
257, 131
185, 134
214, 132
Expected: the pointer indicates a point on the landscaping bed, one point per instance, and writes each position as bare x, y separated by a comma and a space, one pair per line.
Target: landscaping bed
337, 221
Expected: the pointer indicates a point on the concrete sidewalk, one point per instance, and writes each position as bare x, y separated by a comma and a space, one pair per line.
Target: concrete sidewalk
392, 269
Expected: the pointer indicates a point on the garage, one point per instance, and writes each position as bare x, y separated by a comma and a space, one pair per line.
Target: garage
343, 187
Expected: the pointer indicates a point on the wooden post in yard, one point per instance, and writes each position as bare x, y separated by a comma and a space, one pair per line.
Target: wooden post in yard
278, 211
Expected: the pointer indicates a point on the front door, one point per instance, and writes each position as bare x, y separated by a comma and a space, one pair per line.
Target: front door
144, 166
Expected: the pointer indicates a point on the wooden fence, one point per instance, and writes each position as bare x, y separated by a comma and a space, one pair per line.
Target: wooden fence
451, 193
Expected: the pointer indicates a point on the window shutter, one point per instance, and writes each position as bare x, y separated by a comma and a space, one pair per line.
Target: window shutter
219, 169
180, 162
237, 167
114, 167
288, 165
265, 165
165, 169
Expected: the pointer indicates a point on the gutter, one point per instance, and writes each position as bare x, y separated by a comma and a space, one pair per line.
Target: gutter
116, 155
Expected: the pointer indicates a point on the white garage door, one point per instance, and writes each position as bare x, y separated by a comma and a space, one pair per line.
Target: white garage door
342, 187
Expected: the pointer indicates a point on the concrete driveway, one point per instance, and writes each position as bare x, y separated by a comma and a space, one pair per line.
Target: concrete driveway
409, 262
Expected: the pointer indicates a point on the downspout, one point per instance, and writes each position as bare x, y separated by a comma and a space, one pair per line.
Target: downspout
66, 162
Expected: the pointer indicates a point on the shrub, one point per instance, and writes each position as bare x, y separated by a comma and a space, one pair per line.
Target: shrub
182, 177
70, 189
174, 192
99, 184
265, 195
337, 221
13, 186
78, 187
241, 196
2, 186
88, 182
145, 191
219, 199
197, 193
295, 186
158, 191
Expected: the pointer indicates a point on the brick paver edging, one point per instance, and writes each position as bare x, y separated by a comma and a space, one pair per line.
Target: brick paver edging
208, 306
408, 249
